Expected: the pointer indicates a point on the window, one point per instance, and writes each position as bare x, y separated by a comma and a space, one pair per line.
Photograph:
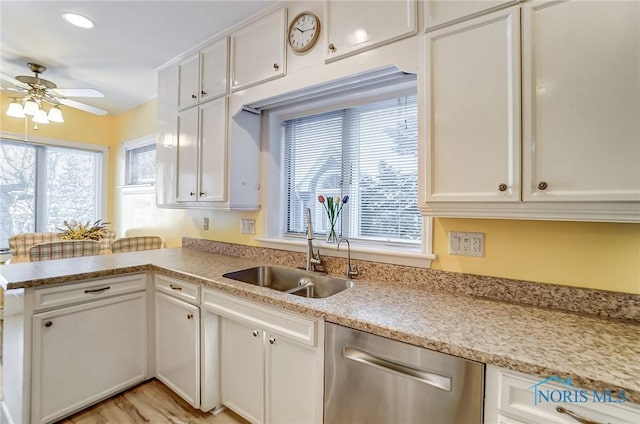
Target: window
43, 185
368, 152
140, 165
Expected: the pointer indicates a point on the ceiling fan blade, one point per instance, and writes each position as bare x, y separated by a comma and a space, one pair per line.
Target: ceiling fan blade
15, 90
13, 81
78, 92
82, 106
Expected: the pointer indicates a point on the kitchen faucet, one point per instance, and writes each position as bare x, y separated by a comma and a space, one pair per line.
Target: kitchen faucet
313, 260
351, 272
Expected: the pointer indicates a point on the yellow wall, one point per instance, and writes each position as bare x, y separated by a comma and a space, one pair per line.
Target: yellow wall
79, 126
593, 255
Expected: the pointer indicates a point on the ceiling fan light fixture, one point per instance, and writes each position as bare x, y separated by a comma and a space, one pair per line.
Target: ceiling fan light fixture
55, 114
15, 109
78, 20
41, 117
31, 107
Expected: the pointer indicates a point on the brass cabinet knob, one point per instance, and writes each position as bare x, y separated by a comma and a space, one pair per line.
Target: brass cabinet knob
502, 187
255, 333
48, 324
332, 48
203, 93
276, 66
542, 185
193, 96
192, 194
272, 340
189, 316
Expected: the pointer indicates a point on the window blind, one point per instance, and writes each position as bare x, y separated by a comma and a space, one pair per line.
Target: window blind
369, 153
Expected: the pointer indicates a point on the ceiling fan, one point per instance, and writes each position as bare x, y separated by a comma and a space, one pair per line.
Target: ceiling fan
39, 91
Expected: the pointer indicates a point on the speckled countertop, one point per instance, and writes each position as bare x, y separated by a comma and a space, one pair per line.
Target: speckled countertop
596, 353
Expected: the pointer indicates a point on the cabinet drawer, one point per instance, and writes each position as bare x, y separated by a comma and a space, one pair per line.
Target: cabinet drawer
189, 292
53, 297
516, 399
293, 326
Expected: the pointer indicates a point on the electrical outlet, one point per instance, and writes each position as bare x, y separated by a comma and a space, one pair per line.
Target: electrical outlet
206, 224
247, 226
466, 244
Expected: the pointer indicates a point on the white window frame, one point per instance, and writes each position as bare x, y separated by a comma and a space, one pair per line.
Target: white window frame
274, 204
103, 177
127, 145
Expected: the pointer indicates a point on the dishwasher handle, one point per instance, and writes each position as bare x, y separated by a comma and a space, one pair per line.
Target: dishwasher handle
426, 377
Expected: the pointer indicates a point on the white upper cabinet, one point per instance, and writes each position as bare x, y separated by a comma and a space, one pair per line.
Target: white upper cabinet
201, 162
355, 26
213, 143
441, 12
579, 156
203, 75
214, 67
473, 109
188, 71
581, 89
258, 51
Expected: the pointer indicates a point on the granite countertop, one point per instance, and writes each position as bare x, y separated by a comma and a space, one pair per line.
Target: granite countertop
597, 353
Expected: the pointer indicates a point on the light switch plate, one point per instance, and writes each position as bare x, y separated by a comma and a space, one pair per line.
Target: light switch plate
466, 244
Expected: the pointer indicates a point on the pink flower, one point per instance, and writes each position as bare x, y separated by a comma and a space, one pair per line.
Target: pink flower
321, 198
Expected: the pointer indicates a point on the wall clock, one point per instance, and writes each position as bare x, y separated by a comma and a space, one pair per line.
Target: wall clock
304, 30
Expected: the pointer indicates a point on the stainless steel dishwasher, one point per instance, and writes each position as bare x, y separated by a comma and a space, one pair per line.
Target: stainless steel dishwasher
371, 379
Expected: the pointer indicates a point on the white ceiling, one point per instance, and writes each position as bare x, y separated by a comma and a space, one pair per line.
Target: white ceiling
120, 54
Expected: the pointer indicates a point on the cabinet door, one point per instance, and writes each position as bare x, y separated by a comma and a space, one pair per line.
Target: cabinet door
188, 72
472, 90
242, 369
178, 347
213, 150
187, 169
581, 101
258, 51
214, 67
166, 138
294, 382
85, 353
354, 26
440, 12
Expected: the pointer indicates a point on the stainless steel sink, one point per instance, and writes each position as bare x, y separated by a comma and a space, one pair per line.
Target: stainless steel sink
294, 281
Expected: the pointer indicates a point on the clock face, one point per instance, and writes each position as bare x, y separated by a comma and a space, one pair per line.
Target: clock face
304, 31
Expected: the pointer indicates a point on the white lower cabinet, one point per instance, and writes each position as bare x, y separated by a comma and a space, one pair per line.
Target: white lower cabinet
178, 347
515, 398
87, 352
271, 361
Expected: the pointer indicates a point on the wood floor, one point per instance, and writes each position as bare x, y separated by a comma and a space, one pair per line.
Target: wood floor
150, 402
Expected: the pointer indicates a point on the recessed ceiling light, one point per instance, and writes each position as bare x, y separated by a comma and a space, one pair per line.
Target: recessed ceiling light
78, 20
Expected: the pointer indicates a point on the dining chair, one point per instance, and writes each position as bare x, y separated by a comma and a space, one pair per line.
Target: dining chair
21, 243
133, 244
63, 249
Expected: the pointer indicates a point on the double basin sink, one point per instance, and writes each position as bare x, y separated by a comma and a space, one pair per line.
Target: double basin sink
294, 281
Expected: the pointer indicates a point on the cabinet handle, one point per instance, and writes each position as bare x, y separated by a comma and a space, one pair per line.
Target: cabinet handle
502, 187
255, 333
193, 96
272, 340
48, 324
175, 287
189, 316
103, 289
575, 416
192, 194
332, 48
542, 185
203, 93
276, 66
202, 193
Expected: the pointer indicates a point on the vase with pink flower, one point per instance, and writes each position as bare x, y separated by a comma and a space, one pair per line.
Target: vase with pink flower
332, 206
